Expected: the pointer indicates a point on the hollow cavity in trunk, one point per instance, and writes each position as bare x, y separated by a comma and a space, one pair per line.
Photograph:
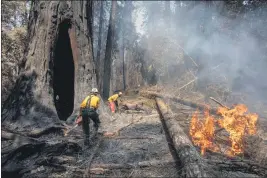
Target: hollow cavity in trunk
63, 77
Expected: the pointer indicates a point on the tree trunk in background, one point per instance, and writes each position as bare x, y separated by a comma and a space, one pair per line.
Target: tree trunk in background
123, 65
58, 63
90, 22
167, 14
108, 54
98, 57
123, 48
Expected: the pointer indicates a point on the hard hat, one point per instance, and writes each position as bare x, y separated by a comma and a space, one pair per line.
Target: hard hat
94, 90
120, 93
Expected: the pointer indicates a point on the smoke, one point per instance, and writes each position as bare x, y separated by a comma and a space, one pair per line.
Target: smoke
229, 49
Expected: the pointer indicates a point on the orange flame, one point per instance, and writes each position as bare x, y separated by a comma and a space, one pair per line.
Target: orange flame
234, 121
203, 133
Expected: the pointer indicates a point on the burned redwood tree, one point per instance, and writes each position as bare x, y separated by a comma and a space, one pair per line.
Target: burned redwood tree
108, 54
56, 74
59, 52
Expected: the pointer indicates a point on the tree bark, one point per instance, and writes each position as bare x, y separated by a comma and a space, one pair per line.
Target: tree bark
98, 62
47, 18
127, 12
108, 54
175, 99
188, 157
123, 60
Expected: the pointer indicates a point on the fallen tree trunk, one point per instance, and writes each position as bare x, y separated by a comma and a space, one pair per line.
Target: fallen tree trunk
53, 129
154, 95
134, 106
193, 165
7, 135
189, 159
202, 107
239, 165
26, 149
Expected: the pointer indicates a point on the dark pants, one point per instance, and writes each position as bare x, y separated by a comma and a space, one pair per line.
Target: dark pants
86, 114
117, 105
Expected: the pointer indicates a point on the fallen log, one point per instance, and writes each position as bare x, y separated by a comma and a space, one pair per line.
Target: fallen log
8, 135
239, 165
189, 159
17, 141
39, 133
213, 99
26, 149
202, 107
134, 106
193, 165
153, 95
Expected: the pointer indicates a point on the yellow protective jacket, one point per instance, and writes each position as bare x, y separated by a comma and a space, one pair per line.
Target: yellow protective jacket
94, 102
113, 97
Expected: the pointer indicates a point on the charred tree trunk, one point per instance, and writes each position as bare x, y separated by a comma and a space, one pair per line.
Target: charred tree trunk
189, 159
58, 72
58, 69
108, 54
125, 20
123, 60
98, 72
126, 33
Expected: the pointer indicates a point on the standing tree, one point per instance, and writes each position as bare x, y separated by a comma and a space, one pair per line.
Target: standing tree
58, 69
127, 22
99, 42
108, 54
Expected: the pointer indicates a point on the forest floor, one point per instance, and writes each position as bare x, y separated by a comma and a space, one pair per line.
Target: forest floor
128, 144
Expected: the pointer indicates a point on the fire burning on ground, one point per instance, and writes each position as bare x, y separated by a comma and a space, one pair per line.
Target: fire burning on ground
235, 121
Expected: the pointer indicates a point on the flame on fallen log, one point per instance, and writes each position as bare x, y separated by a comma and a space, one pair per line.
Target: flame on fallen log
202, 133
235, 121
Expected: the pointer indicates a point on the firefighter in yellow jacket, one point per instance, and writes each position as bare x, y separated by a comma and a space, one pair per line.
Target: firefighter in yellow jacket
88, 110
113, 102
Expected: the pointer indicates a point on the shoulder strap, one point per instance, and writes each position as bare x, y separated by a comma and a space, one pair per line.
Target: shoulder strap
88, 102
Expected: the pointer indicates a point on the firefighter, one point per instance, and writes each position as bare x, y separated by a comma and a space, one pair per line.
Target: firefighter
88, 110
113, 102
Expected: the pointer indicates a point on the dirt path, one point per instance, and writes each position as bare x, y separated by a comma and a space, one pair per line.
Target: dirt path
141, 142
131, 144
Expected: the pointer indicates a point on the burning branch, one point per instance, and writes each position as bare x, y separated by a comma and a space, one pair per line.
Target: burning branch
219, 103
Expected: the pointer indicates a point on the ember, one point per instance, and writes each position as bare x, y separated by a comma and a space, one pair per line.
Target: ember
235, 121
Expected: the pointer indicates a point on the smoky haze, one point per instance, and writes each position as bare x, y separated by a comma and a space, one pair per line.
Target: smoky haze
228, 50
